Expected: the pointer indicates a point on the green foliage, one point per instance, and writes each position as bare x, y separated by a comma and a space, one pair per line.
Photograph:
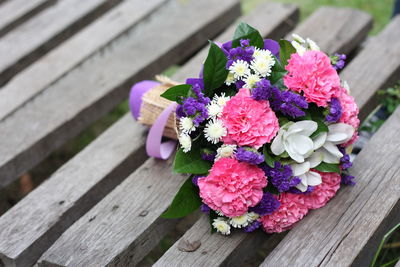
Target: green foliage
190, 162
175, 92
326, 167
245, 31
285, 51
214, 71
185, 201
277, 72
321, 128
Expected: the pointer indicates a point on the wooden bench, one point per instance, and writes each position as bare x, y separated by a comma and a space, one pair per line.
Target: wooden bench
103, 206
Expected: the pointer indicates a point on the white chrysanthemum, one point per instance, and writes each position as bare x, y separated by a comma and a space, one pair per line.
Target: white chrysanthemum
262, 66
312, 45
299, 48
226, 151
251, 80
263, 54
253, 216
221, 100
214, 131
186, 125
230, 79
222, 226
240, 221
298, 38
214, 110
185, 141
240, 68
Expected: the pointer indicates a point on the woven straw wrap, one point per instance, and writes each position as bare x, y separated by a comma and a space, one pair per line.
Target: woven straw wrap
153, 104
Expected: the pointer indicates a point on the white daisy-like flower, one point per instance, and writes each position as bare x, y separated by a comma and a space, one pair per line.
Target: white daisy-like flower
240, 221
214, 131
226, 151
253, 216
299, 48
186, 125
263, 54
239, 68
262, 66
214, 110
230, 79
222, 226
251, 80
221, 100
298, 38
312, 45
186, 142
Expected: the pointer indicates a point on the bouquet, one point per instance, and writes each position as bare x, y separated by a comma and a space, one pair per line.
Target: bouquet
264, 132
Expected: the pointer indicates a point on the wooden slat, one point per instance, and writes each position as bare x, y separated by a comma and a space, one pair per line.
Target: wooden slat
273, 20
15, 12
32, 39
354, 219
376, 67
35, 222
72, 52
95, 87
131, 244
217, 257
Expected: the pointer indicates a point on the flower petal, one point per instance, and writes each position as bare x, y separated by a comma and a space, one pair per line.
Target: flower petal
299, 169
277, 145
328, 157
300, 144
306, 127
303, 185
319, 140
292, 153
333, 149
340, 133
315, 159
313, 178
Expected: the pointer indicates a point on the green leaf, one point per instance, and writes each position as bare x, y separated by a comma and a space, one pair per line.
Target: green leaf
277, 73
190, 162
214, 71
285, 51
177, 91
270, 160
245, 31
326, 167
185, 201
321, 128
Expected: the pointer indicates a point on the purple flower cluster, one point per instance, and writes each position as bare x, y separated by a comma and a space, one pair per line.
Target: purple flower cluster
338, 61
252, 227
267, 205
345, 160
195, 179
288, 103
208, 156
335, 110
281, 176
249, 155
242, 52
348, 179
294, 190
194, 107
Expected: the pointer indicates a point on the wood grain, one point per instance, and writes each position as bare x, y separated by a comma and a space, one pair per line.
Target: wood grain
124, 226
96, 86
34, 223
222, 251
15, 12
271, 19
32, 39
52, 66
376, 67
344, 232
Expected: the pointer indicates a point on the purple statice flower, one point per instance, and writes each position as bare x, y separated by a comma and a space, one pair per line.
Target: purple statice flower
281, 176
204, 208
252, 227
267, 205
195, 179
244, 42
345, 160
287, 102
335, 110
208, 156
239, 84
242, 52
249, 155
294, 190
338, 61
262, 90
348, 179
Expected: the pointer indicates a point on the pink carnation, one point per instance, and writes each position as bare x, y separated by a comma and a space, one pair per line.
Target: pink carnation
232, 186
313, 75
322, 193
349, 113
290, 211
249, 122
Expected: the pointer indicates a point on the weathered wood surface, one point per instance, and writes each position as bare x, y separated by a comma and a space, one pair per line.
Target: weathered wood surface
376, 67
124, 226
348, 223
34, 223
160, 228
273, 20
28, 41
96, 36
218, 252
346, 27
91, 90
15, 12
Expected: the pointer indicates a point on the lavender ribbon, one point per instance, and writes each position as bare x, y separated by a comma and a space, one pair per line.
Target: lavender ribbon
154, 145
